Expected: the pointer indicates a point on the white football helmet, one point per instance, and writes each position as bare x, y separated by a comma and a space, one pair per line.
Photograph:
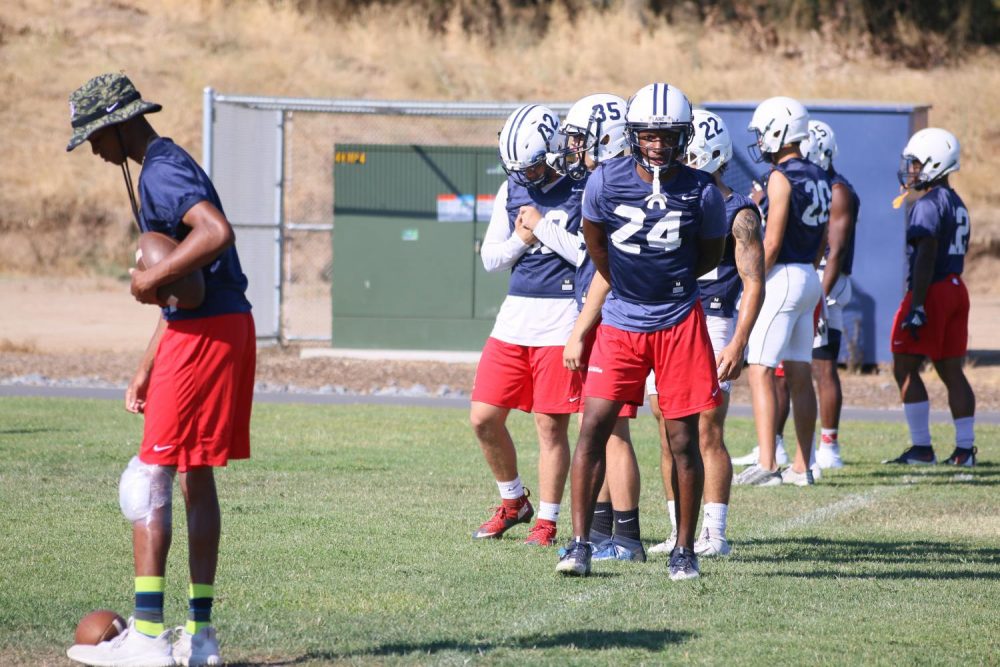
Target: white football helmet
659, 107
777, 122
594, 126
820, 147
711, 146
527, 137
930, 154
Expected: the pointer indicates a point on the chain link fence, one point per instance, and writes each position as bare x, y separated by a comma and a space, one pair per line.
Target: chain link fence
311, 129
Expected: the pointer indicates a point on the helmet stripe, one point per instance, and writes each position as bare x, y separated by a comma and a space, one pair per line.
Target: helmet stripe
514, 129
655, 86
666, 87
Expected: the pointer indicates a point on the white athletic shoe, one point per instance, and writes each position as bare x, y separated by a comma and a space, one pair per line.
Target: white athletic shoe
828, 456
757, 476
201, 648
749, 459
816, 471
666, 546
712, 545
129, 649
780, 455
789, 476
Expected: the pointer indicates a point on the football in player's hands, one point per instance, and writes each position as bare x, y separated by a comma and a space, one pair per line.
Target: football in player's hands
186, 292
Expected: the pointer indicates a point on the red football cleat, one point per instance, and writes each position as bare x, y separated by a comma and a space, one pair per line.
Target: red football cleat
543, 534
507, 515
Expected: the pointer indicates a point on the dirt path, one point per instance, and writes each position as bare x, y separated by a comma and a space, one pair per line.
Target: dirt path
90, 331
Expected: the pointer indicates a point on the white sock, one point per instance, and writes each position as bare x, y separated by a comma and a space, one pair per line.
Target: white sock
511, 490
671, 507
779, 442
548, 511
812, 452
965, 435
715, 518
828, 434
918, 418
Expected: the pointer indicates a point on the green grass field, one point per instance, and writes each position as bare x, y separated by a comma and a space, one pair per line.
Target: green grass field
346, 539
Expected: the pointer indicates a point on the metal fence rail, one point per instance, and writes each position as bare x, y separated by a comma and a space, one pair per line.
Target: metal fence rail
304, 222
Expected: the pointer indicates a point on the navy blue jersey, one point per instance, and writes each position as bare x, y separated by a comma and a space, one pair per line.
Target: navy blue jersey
721, 287
584, 275
854, 208
808, 211
170, 183
652, 243
942, 215
541, 272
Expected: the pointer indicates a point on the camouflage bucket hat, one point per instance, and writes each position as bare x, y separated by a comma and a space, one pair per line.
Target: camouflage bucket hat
104, 100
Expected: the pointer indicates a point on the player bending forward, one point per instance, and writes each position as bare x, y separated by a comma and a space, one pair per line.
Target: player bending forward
933, 319
521, 365
194, 384
652, 226
742, 268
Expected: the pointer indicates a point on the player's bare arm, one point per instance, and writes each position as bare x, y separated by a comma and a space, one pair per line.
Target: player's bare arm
748, 237
135, 394
821, 251
779, 195
838, 231
210, 234
523, 232
597, 247
589, 316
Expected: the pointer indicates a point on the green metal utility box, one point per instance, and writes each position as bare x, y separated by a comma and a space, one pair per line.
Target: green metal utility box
408, 224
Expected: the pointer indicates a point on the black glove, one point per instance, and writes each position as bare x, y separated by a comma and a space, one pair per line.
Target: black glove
916, 318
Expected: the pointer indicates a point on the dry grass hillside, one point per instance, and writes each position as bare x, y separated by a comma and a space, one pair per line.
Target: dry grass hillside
68, 212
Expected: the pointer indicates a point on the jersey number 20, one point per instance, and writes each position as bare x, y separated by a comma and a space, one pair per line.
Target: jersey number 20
818, 212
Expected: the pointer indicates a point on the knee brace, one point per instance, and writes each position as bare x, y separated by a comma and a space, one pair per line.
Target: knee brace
144, 489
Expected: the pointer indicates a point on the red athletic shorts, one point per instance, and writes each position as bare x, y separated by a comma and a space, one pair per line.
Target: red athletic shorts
520, 377
201, 393
946, 333
628, 410
682, 357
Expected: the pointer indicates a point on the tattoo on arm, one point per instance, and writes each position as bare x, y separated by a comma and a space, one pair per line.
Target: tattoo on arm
749, 245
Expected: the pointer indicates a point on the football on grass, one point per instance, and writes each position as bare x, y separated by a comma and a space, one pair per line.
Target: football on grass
186, 292
99, 626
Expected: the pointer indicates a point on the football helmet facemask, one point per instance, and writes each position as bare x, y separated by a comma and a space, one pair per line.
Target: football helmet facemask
711, 146
820, 147
777, 122
594, 126
929, 155
527, 138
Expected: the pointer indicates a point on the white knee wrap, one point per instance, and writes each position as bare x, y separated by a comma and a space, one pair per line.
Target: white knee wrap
143, 489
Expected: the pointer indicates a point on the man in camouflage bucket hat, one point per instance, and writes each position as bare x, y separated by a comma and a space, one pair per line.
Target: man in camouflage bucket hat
104, 100
194, 384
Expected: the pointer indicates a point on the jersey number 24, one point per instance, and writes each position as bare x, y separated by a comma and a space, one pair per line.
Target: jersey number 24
665, 235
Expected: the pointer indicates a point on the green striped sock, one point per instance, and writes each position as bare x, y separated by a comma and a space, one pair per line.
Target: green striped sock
149, 605
200, 598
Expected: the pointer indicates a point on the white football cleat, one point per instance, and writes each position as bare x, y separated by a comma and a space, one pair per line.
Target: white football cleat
129, 649
666, 546
789, 476
780, 455
828, 456
757, 476
712, 545
201, 648
749, 459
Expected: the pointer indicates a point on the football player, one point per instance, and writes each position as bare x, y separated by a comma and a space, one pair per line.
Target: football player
652, 226
742, 268
796, 207
521, 365
933, 318
594, 131
820, 148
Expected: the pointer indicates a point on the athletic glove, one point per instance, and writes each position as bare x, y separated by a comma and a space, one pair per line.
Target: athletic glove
916, 318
